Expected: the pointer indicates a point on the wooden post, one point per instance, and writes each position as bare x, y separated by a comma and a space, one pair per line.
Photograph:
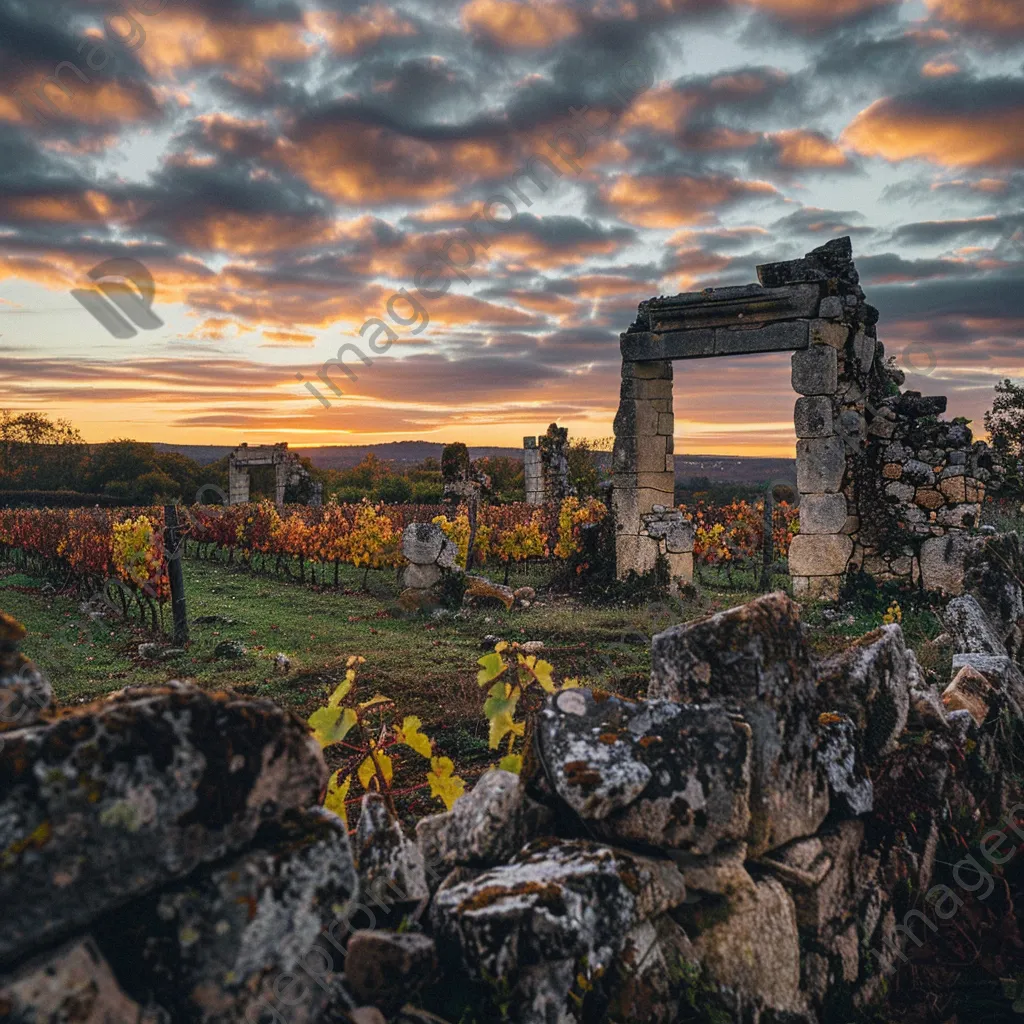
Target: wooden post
768, 542
172, 551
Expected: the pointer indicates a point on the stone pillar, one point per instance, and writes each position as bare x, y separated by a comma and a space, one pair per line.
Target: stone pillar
280, 481
643, 460
533, 472
238, 483
819, 554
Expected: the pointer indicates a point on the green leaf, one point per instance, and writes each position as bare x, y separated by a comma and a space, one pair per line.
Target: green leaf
492, 666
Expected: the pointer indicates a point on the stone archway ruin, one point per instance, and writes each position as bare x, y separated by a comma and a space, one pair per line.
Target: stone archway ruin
288, 472
884, 486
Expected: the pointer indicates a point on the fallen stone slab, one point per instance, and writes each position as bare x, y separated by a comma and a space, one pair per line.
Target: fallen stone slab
969, 691
665, 775
480, 589
243, 937
970, 627
121, 796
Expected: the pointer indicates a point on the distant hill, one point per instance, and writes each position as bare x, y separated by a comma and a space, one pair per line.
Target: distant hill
717, 468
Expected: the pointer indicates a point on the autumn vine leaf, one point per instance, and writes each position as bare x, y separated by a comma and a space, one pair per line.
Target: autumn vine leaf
337, 795
332, 724
444, 784
409, 734
368, 769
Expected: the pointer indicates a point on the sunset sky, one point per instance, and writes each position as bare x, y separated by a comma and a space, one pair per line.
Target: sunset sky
286, 168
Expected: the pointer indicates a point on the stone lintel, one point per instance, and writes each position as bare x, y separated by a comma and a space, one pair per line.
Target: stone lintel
783, 336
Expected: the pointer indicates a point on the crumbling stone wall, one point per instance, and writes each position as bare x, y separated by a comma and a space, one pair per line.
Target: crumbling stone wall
289, 474
751, 842
883, 485
546, 466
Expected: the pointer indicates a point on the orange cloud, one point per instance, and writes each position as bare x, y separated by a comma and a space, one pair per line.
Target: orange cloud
519, 23
245, 233
990, 15
39, 98
667, 202
798, 148
288, 339
905, 129
662, 109
352, 33
940, 68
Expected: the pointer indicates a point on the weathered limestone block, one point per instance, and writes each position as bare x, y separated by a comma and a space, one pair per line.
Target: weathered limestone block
422, 542
870, 682
755, 949
532, 921
486, 826
388, 968
823, 332
831, 307
864, 351
1001, 672
420, 577
391, 866
970, 627
822, 513
72, 984
942, 563
822, 554
24, 692
850, 788
815, 370
655, 369
671, 776
133, 792
755, 656
813, 417
636, 418
820, 464
219, 945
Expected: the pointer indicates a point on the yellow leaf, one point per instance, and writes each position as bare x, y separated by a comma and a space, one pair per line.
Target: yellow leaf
377, 698
501, 645
501, 723
492, 666
540, 670
511, 763
571, 684
367, 771
443, 784
409, 734
331, 724
336, 796
342, 691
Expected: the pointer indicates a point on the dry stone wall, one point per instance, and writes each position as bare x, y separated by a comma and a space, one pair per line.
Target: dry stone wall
749, 843
884, 485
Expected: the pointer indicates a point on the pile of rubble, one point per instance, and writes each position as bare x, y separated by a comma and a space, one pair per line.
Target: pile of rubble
738, 846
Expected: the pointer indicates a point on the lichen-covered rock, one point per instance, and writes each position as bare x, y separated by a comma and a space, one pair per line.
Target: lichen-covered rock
531, 922
942, 563
993, 570
1003, 675
72, 984
849, 785
25, 693
755, 658
486, 825
388, 968
667, 775
480, 589
227, 943
870, 682
752, 949
969, 691
422, 543
104, 804
970, 627
391, 866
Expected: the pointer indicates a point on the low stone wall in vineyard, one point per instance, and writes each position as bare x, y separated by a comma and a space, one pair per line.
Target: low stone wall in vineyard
757, 840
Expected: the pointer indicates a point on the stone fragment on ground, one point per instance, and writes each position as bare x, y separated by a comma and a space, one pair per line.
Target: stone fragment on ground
391, 866
480, 589
388, 968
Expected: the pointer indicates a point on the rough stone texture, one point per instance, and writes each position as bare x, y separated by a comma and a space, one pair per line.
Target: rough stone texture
755, 657
755, 950
820, 554
969, 691
485, 827
870, 682
815, 371
388, 968
822, 513
970, 627
136, 791
813, 417
25, 694
820, 464
420, 577
73, 984
422, 543
391, 867
666, 775
942, 564
531, 921
219, 945
850, 788
480, 589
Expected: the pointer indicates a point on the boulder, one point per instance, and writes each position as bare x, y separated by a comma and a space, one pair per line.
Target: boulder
239, 937
71, 984
870, 682
666, 775
970, 627
25, 693
388, 968
557, 904
849, 785
969, 691
422, 543
136, 791
755, 657
413, 600
420, 577
230, 649
993, 570
391, 866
